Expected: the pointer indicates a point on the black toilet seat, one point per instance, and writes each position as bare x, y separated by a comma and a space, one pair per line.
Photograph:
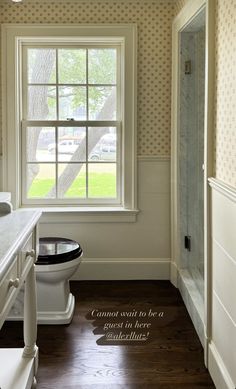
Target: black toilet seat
54, 250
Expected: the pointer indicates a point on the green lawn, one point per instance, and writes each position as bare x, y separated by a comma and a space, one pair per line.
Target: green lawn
100, 185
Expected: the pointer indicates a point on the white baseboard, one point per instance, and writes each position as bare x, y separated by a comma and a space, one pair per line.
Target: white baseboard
218, 370
123, 269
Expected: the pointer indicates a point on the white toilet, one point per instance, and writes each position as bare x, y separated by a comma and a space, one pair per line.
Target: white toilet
58, 260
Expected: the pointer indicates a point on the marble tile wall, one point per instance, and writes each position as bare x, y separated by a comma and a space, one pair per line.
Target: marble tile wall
193, 301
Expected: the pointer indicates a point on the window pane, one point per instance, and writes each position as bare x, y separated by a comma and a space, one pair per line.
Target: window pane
41, 66
72, 102
41, 181
102, 66
72, 180
72, 66
40, 144
102, 103
41, 102
72, 144
102, 147
102, 180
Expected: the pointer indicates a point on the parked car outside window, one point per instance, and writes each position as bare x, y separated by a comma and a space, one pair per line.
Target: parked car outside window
103, 153
105, 149
67, 146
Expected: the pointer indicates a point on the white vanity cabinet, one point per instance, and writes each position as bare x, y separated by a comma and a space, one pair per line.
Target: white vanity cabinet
18, 251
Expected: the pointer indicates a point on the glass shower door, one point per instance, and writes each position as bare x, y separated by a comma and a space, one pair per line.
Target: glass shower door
192, 154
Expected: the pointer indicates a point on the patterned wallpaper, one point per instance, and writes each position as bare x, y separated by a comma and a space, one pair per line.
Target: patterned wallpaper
154, 63
154, 19
225, 121
225, 94
179, 4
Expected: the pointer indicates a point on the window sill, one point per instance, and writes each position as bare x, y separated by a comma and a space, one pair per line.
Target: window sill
55, 215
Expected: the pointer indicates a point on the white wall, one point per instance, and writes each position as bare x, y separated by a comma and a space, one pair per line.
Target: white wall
132, 250
222, 353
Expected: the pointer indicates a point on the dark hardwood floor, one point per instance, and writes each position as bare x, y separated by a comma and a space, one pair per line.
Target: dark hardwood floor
169, 356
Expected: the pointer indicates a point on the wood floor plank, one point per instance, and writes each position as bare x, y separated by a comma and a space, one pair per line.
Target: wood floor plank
171, 357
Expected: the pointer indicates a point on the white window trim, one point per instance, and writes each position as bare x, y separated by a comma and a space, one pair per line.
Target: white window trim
118, 44
13, 36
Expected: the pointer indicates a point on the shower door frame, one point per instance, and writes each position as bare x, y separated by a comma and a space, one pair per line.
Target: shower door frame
187, 14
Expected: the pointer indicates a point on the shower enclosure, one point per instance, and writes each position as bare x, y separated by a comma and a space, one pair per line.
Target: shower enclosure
189, 176
192, 125
191, 149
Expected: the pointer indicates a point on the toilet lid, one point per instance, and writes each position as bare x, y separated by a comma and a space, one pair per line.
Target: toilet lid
57, 250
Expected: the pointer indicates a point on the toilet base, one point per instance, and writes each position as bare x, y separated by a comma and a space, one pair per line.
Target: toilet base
58, 317
45, 317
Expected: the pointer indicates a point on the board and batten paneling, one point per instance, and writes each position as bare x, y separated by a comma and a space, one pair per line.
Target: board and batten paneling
125, 250
222, 354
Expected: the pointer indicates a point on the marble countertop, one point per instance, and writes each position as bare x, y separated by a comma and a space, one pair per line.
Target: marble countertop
14, 229
5, 196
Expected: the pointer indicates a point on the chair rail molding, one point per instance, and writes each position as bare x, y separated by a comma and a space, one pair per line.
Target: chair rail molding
223, 188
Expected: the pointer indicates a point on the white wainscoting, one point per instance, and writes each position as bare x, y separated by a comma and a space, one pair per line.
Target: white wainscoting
127, 250
222, 349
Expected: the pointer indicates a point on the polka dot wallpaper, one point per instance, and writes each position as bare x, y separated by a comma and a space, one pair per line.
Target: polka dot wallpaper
225, 145
179, 4
225, 95
154, 19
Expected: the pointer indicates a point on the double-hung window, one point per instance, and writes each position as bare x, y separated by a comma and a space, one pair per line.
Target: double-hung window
72, 132
72, 116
